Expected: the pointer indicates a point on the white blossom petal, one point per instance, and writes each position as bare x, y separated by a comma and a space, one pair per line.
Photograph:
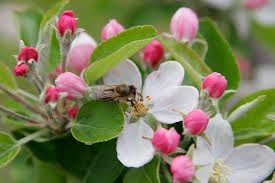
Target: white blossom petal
202, 155
203, 173
265, 15
132, 149
220, 135
125, 73
169, 74
250, 163
220, 4
173, 100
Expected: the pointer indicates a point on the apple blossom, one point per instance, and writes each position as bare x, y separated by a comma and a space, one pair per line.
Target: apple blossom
71, 84
196, 121
27, 53
21, 70
67, 22
51, 95
163, 97
219, 162
80, 51
182, 169
184, 24
153, 53
215, 84
111, 29
254, 4
166, 141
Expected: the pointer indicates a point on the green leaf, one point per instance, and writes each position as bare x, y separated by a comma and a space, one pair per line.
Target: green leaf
28, 23
98, 121
8, 149
201, 47
89, 163
54, 53
219, 56
26, 169
187, 57
254, 124
7, 78
149, 173
118, 48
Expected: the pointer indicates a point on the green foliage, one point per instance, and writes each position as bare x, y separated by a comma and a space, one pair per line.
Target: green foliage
54, 53
219, 56
8, 149
254, 124
187, 57
28, 23
118, 48
98, 121
147, 174
89, 163
7, 78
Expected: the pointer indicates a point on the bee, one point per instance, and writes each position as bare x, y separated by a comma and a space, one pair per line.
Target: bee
120, 93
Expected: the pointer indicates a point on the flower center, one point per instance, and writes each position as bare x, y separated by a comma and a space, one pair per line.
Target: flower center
141, 106
219, 173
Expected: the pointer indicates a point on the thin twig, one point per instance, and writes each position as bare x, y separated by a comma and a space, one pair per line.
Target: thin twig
22, 101
19, 116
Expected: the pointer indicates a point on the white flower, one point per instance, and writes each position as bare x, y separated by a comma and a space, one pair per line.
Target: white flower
219, 162
163, 97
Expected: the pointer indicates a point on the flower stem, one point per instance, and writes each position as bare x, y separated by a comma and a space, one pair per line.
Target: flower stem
31, 137
22, 101
65, 46
6, 110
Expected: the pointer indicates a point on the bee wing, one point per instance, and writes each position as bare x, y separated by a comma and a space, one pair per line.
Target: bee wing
103, 92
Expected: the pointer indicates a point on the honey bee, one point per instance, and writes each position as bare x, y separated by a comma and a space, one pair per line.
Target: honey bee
120, 93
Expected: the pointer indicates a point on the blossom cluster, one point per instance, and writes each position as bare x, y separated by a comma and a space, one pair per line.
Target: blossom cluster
150, 117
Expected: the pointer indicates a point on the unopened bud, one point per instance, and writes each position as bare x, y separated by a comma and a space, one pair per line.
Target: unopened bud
111, 29
27, 53
51, 95
67, 22
215, 84
21, 70
166, 141
72, 112
184, 24
182, 169
153, 53
72, 84
254, 4
196, 121
79, 54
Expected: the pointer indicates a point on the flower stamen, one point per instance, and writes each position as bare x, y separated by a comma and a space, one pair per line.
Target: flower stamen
219, 173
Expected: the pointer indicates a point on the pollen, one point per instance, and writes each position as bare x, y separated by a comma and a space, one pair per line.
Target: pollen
219, 173
140, 108
148, 98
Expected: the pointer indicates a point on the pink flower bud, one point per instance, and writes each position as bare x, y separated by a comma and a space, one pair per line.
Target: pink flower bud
111, 29
184, 24
254, 4
72, 112
196, 121
21, 70
72, 84
215, 84
26, 53
166, 141
66, 22
56, 72
51, 95
182, 169
153, 53
79, 55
